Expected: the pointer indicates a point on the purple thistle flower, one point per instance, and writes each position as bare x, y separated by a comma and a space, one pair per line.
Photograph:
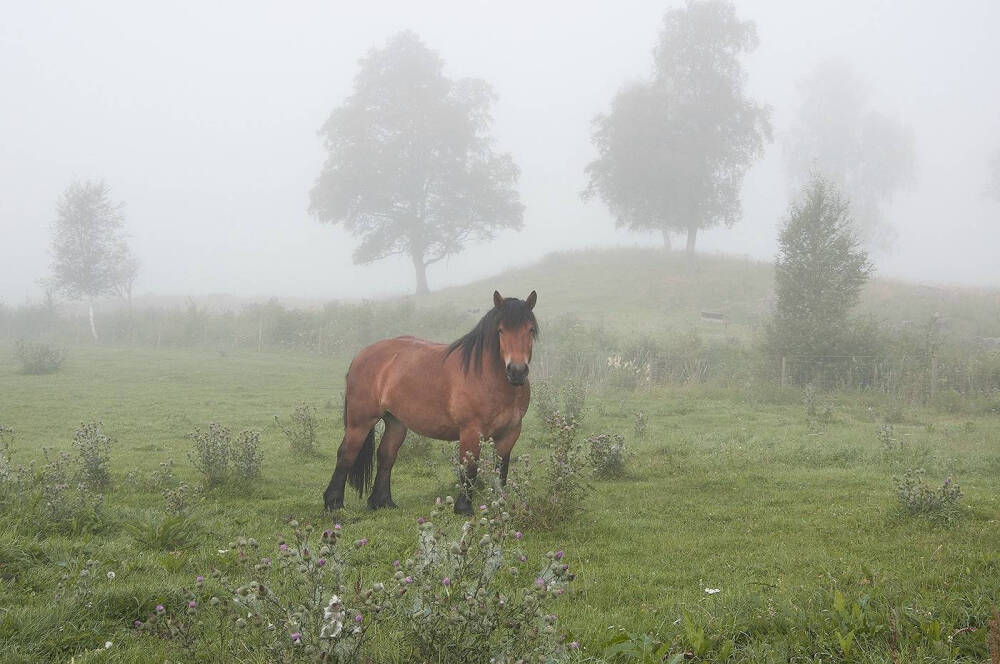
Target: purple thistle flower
159, 608
421, 520
200, 579
408, 579
296, 637
518, 535
192, 604
559, 555
358, 618
336, 526
540, 582
446, 581
482, 507
321, 562
395, 564
137, 624
283, 547
574, 645
523, 558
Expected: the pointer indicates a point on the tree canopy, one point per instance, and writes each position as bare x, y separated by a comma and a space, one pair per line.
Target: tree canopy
410, 165
867, 154
673, 150
819, 273
91, 257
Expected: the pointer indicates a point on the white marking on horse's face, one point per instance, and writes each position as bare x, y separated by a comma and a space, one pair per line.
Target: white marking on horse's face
506, 361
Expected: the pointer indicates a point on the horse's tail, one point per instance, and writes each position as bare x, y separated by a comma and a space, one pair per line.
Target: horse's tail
360, 474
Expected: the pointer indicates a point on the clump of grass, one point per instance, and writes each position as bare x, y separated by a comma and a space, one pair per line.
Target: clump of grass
37, 357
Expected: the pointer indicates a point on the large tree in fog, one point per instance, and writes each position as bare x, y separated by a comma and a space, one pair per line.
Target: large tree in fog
672, 151
867, 154
410, 167
91, 257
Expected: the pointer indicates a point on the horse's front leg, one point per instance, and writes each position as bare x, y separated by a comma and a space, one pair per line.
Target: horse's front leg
468, 465
504, 445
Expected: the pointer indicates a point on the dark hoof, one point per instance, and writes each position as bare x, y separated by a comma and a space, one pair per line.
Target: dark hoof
333, 504
463, 506
375, 504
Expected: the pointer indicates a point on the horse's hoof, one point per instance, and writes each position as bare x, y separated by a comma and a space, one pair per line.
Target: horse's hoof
333, 505
376, 504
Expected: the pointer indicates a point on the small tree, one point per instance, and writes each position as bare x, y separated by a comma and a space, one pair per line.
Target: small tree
410, 167
90, 254
673, 151
820, 271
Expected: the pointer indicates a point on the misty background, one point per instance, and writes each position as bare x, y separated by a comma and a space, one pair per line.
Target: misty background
203, 119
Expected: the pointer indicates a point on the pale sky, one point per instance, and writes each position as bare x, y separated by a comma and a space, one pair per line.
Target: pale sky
202, 118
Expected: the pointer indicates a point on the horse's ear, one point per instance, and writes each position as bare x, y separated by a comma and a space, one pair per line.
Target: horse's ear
531, 300
497, 299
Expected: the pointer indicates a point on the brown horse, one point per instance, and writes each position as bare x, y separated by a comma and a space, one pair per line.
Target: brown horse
474, 388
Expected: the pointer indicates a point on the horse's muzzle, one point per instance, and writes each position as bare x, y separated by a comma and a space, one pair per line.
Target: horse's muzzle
517, 373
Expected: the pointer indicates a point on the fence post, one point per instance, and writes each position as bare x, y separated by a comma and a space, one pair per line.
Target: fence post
784, 370
933, 375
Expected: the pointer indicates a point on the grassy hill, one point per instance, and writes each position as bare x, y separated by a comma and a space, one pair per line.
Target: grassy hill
648, 290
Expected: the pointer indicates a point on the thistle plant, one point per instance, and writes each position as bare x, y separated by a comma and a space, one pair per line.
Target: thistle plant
301, 431
608, 455
93, 449
919, 499
469, 593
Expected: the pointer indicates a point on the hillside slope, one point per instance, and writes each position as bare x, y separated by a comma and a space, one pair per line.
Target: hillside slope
648, 290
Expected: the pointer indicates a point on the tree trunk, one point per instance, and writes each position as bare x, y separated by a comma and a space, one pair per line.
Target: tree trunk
666, 239
421, 270
692, 239
93, 328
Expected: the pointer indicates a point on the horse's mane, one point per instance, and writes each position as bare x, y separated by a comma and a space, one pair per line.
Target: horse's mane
483, 338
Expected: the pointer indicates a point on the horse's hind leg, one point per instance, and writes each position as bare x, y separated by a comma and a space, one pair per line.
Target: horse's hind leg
392, 439
356, 430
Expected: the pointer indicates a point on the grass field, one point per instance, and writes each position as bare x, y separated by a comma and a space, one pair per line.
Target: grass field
731, 489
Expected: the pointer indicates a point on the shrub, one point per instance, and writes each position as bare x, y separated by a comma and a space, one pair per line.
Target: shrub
301, 432
246, 455
37, 357
211, 452
93, 449
919, 499
607, 454
66, 502
640, 425
466, 596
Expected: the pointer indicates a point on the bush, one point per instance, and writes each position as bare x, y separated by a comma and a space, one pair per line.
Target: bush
37, 357
210, 453
246, 455
215, 454
607, 454
919, 499
93, 449
301, 432
66, 502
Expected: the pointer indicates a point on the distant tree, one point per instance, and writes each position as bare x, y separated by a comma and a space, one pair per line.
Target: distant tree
90, 254
410, 167
672, 152
820, 271
868, 155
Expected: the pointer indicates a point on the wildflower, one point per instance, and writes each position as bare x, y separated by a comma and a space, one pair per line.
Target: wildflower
296, 637
712, 591
283, 547
559, 555
358, 618
445, 581
336, 526
408, 579
360, 543
159, 608
107, 645
518, 535
574, 645
137, 624
321, 562
200, 580
540, 582
395, 564
482, 507
192, 604
421, 520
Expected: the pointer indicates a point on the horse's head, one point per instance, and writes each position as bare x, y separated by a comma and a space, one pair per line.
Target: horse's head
516, 330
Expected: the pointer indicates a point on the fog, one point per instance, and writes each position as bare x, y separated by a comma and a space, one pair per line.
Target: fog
202, 118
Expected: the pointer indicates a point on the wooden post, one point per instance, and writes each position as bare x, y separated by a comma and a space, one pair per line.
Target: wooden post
784, 370
933, 375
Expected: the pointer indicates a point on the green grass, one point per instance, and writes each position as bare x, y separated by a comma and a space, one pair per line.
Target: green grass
728, 490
